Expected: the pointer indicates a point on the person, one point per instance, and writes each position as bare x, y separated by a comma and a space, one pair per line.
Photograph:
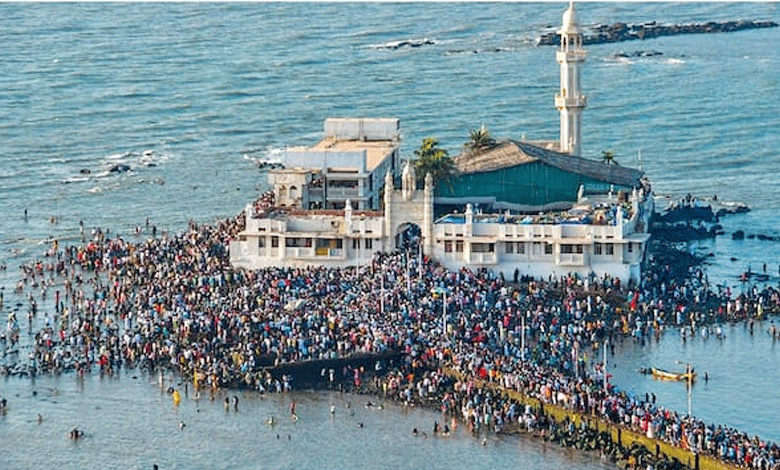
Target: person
76, 433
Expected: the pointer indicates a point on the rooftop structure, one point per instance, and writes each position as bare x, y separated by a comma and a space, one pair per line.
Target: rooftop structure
525, 177
347, 164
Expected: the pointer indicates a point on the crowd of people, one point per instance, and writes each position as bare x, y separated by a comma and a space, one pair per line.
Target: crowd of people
174, 303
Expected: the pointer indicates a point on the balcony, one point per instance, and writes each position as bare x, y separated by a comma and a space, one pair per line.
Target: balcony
483, 258
571, 259
329, 253
316, 193
298, 252
571, 101
343, 193
571, 55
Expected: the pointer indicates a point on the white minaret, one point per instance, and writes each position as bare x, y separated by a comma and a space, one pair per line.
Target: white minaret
570, 101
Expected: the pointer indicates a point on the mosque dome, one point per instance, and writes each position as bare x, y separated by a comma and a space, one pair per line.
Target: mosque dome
570, 23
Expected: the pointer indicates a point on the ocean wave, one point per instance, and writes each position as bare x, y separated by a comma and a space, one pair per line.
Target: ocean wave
268, 156
411, 43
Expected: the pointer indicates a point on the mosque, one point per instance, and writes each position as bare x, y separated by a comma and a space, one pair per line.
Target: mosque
518, 207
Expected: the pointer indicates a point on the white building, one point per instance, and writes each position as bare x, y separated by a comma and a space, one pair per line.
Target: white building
601, 236
597, 234
605, 235
349, 163
285, 236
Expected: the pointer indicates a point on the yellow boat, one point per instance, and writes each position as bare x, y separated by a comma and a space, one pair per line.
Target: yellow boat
666, 375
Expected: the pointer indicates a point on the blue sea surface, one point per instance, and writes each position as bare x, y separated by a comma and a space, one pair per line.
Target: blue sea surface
191, 96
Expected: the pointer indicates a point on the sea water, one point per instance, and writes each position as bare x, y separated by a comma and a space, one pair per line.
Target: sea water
191, 97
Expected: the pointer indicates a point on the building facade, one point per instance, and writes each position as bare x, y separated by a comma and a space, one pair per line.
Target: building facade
349, 163
604, 235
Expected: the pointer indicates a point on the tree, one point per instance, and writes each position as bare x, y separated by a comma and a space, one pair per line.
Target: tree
608, 157
434, 160
481, 139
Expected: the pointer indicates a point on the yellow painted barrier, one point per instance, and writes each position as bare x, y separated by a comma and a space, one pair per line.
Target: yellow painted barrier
623, 436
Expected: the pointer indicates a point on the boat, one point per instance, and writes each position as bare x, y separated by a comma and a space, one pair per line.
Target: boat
666, 375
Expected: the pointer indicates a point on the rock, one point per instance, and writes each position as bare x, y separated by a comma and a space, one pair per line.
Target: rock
619, 32
626, 55
119, 168
767, 238
738, 235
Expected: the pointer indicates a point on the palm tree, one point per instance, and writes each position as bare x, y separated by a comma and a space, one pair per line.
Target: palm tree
481, 139
434, 160
608, 157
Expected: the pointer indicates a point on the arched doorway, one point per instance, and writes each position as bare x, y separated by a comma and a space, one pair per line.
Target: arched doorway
408, 237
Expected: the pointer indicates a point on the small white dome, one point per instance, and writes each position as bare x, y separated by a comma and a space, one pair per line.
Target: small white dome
570, 23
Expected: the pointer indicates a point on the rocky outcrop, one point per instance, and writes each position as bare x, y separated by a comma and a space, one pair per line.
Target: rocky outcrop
620, 32
691, 218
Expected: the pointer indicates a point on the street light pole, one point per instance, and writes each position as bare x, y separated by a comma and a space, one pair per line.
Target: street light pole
522, 338
606, 385
408, 275
419, 259
444, 315
576, 359
382, 288
688, 382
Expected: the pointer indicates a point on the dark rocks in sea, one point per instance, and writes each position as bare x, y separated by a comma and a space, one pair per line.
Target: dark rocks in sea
620, 32
740, 235
119, 168
262, 164
691, 218
681, 232
626, 55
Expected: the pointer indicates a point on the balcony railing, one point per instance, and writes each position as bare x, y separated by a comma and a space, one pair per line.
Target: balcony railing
571, 259
343, 193
483, 258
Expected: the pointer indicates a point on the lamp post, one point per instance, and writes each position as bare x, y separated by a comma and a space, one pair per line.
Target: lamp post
606, 385
688, 382
443, 292
408, 275
419, 259
522, 338
382, 288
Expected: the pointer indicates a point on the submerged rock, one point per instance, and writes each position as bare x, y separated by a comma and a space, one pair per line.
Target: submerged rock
119, 168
